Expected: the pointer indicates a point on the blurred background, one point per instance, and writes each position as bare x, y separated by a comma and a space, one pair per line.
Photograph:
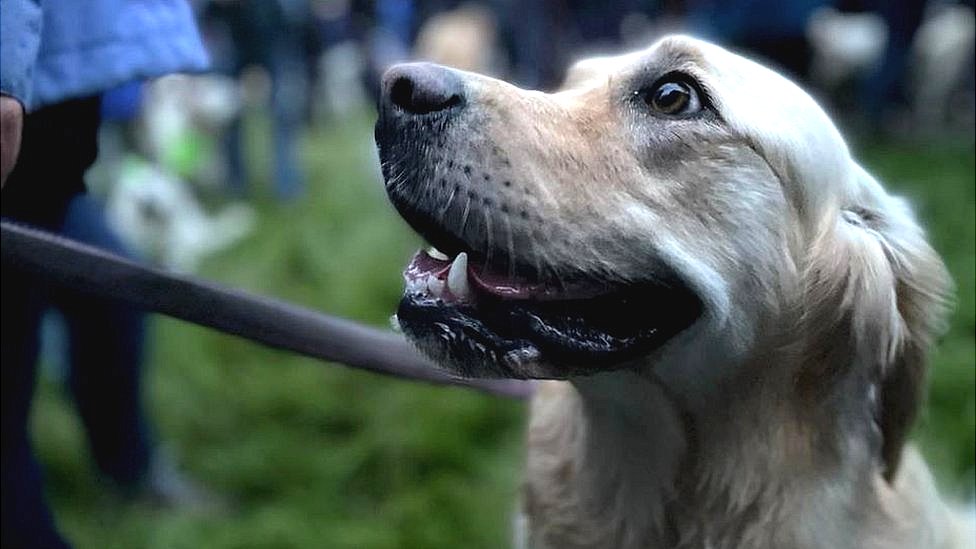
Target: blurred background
263, 175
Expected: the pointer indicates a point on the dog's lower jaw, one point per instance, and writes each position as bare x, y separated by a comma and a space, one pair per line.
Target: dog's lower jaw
613, 462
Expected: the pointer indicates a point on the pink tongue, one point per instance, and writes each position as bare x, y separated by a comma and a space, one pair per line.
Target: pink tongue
505, 286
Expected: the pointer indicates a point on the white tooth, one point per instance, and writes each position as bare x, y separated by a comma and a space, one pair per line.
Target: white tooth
435, 286
415, 286
395, 324
437, 254
457, 277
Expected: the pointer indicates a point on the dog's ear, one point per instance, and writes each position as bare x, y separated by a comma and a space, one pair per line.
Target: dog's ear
896, 293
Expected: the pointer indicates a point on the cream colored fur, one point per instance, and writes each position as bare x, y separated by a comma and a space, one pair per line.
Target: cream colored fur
783, 437
778, 419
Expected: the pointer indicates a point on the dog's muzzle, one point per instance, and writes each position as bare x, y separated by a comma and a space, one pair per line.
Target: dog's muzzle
490, 300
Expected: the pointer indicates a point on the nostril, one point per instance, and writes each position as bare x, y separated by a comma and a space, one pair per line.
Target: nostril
423, 89
401, 93
452, 101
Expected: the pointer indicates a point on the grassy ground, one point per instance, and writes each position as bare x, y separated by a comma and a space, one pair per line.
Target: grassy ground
316, 455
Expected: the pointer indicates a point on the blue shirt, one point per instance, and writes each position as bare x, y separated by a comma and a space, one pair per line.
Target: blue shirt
53, 50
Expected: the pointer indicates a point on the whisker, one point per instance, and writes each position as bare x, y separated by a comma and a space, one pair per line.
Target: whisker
447, 205
398, 178
542, 260
488, 236
464, 216
534, 254
511, 247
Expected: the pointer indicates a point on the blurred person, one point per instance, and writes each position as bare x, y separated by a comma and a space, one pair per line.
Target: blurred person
462, 38
544, 37
773, 29
55, 61
339, 86
268, 34
884, 89
388, 32
104, 364
941, 75
396, 22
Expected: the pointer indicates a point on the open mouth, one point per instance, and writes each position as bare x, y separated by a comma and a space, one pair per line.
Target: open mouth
491, 324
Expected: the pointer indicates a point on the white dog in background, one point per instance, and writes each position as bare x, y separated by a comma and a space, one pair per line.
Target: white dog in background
733, 314
152, 202
157, 213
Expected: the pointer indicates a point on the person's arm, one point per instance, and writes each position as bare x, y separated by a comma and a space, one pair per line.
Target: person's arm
20, 36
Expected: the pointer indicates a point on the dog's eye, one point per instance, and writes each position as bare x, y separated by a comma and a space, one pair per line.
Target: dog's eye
673, 97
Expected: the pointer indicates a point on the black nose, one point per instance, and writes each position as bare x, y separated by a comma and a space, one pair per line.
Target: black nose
422, 88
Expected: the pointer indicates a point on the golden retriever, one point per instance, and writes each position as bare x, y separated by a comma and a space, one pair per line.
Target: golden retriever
733, 313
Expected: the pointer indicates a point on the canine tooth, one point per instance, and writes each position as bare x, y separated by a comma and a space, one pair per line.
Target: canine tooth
437, 254
457, 277
435, 286
395, 324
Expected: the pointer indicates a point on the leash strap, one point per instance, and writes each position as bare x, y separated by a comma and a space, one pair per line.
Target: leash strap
58, 261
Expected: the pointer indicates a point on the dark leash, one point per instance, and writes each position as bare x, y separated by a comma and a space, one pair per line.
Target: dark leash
57, 261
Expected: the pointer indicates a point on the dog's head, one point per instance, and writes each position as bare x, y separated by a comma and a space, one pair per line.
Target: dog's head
676, 209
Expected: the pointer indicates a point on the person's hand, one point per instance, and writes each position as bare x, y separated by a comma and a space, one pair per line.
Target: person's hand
11, 124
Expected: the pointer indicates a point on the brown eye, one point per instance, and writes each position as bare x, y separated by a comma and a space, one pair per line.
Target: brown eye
673, 97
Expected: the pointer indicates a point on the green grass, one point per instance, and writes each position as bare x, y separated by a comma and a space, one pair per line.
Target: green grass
317, 455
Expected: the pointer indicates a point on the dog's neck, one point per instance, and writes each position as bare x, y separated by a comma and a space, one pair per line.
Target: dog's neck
592, 464
640, 466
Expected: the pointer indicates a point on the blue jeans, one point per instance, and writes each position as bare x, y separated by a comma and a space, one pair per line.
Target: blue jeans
105, 355
59, 144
